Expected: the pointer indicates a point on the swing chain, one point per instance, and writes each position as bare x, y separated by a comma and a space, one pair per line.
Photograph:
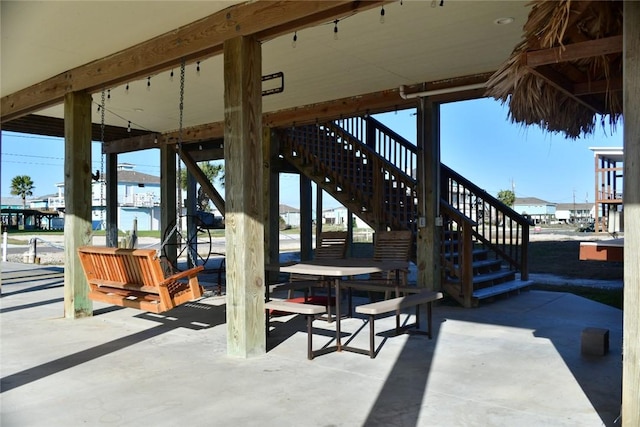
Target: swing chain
181, 109
101, 177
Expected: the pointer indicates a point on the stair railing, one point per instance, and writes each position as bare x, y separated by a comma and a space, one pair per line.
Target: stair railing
497, 225
460, 250
344, 152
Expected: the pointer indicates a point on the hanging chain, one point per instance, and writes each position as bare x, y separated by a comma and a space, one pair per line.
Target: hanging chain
101, 177
181, 108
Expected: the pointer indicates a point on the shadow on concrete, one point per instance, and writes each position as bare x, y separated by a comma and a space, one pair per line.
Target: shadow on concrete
194, 315
32, 305
558, 320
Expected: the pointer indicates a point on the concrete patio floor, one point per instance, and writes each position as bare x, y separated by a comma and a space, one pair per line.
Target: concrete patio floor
513, 362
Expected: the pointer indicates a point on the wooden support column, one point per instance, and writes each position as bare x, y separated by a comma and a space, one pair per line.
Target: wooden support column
111, 201
631, 194
77, 196
244, 229
306, 218
192, 254
428, 237
319, 193
168, 194
271, 200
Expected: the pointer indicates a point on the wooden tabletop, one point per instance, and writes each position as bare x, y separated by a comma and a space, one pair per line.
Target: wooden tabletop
343, 267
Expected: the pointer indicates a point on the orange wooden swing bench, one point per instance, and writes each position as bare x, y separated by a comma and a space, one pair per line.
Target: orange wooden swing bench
134, 278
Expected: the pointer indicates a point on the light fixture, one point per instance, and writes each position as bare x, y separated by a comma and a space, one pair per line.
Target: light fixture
404, 95
504, 21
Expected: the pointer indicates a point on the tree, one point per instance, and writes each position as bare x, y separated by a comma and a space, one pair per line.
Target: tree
508, 197
22, 186
212, 172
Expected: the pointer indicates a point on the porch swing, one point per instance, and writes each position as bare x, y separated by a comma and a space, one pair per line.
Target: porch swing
135, 278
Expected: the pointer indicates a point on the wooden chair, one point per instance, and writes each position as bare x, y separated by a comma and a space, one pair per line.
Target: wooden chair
392, 245
331, 245
134, 278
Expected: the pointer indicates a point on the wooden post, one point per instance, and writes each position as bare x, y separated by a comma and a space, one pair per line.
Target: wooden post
631, 194
168, 195
271, 200
428, 238
244, 229
319, 208
192, 250
77, 196
111, 199
306, 217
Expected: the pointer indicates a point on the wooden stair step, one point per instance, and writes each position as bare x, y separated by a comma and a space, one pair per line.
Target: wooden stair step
484, 263
483, 278
501, 288
492, 276
475, 253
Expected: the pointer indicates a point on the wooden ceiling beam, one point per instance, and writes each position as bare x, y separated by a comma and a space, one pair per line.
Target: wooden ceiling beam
198, 40
372, 103
575, 51
52, 126
565, 86
600, 86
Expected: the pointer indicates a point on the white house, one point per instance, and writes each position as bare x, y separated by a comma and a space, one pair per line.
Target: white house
138, 198
539, 211
290, 215
575, 212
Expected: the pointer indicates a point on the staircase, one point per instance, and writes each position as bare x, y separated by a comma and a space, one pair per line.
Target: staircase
484, 242
371, 170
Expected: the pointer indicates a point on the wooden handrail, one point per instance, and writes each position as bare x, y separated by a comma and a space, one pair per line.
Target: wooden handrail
499, 227
386, 191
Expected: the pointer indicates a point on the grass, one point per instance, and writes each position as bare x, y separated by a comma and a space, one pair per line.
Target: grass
612, 297
562, 258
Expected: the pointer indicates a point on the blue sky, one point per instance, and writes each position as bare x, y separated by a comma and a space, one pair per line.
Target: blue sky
478, 141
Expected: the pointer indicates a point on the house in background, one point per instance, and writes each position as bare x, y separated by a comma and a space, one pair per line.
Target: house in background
571, 213
537, 210
138, 199
11, 203
290, 215
609, 168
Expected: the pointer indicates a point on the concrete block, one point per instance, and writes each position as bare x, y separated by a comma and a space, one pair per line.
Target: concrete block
595, 341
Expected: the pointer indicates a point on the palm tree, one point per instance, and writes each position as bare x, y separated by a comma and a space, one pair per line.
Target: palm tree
22, 186
212, 172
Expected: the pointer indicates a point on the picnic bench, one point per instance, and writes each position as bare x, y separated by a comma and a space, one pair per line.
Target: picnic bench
134, 278
396, 305
310, 311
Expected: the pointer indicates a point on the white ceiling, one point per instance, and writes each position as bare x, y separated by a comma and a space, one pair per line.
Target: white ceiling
416, 43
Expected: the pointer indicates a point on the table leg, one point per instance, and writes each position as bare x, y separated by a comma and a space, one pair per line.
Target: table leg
337, 285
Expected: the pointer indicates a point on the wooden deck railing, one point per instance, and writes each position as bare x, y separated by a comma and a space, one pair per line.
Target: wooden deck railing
392, 147
346, 153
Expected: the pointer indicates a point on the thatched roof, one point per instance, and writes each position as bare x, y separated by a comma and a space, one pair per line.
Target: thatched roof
566, 74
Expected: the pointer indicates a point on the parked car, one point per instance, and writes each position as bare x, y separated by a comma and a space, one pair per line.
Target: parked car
587, 228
